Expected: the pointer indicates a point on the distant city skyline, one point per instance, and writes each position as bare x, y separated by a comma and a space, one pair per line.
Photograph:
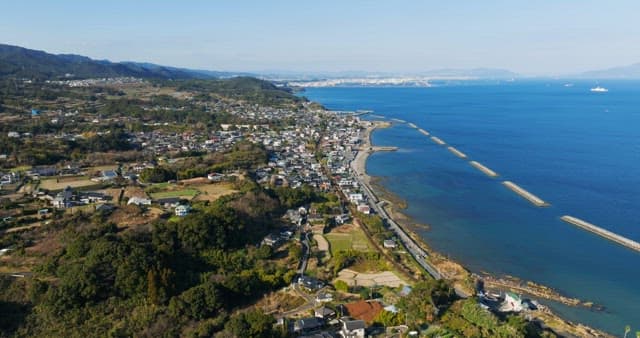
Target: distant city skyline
527, 37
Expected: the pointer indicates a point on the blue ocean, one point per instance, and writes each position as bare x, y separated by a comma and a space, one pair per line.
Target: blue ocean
576, 149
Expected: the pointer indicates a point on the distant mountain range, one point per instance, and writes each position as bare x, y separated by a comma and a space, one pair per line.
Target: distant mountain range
624, 72
28, 63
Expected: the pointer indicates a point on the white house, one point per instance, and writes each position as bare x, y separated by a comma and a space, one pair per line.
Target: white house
365, 209
139, 201
182, 210
355, 197
352, 329
389, 244
215, 177
512, 303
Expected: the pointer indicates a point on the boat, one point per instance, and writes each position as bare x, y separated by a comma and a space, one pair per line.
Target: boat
599, 89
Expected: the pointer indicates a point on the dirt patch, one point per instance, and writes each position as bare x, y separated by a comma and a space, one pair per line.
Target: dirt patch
345, 228
195, 180
451, 269
323, 245
63, 182
213, 191
46, 245
278, 302
131, 216
385, 278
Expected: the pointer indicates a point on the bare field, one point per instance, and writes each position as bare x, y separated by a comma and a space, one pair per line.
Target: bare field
386, 278
63, 182
213, 191
129, 216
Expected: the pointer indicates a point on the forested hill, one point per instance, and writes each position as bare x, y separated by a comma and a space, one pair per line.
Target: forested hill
28, 63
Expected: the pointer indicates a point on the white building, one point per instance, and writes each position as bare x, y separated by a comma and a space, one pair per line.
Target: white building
352, 329
182, 210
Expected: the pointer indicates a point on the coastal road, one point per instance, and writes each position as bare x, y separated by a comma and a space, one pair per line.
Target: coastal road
416, 251
418, 254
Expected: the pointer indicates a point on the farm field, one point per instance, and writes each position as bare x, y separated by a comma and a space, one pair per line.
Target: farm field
59, 183
211, 192
183, 193
347, 237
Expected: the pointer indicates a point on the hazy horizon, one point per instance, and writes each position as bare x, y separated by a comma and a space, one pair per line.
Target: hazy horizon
544, 38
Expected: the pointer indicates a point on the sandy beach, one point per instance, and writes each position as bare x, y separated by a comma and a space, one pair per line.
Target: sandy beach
360, 162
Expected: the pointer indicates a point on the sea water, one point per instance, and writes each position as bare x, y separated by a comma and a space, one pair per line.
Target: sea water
577, 150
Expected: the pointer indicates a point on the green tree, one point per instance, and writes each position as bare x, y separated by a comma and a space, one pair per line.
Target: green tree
251, 324
199, 302
427, 300
341, 285
295, 252
157, 175
387, 318
152, 288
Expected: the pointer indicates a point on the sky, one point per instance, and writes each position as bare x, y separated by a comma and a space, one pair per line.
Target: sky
541, 37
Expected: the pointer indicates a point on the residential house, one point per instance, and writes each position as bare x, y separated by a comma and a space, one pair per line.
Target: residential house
139, 201
63, 199
215, 177
168, 202
271, 240
355, 197
389, 244
352, 329
364, 208
105, 208
341, 219
182, 210
512, 303
310, 283
324, 297
307, 324
324, 313
9, 178
93, 197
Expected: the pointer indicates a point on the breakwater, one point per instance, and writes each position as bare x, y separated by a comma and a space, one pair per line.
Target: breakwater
424, 132
631, 244
412, 125
382, 148
399, 120
535, 200
437, 140
483, 169
457, 152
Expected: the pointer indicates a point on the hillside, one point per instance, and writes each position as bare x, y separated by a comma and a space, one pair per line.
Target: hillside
28, 63
623, 72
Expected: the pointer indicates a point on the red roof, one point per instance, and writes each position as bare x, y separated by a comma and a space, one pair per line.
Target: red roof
364, 310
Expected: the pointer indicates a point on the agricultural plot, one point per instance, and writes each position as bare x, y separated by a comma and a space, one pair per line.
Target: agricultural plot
347, 237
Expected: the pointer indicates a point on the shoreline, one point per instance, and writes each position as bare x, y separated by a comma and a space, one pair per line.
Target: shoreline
453, 270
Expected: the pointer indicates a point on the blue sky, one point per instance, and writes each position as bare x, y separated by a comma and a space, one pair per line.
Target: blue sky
529, 37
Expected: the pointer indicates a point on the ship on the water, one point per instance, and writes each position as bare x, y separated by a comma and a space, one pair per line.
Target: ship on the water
599, 89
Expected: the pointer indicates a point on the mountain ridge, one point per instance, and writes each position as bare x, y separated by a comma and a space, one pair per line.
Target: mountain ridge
23, 62
620, 72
